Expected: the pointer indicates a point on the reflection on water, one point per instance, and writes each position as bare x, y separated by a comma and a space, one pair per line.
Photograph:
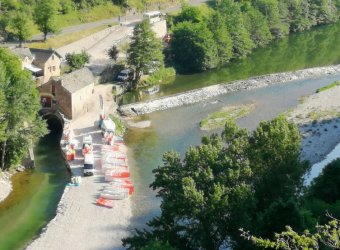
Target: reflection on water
319, 46
178, 128
318, 167
36, 193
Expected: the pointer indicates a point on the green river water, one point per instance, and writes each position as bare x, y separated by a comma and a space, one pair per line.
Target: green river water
37, 192
317, 47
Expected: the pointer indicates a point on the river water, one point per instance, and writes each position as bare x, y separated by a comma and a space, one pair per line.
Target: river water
35, 196
319, 46
178, 128
36, 193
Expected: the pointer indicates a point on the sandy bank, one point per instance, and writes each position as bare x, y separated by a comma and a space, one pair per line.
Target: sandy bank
318, 117
202, 94
80, 223
5, 185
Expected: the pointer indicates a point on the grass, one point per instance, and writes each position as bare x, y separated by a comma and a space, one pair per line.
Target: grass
219, 118
120, 128
320, 114
162, 76
62, 40
329, 86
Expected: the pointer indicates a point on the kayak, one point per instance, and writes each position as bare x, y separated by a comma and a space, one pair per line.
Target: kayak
104, 202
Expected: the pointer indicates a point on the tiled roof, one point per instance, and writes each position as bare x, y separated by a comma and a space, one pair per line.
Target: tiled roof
23, 52
42, 55
77, 80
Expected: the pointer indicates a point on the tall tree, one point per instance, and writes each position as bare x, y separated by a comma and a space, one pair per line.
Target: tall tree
21, 26
193, 47
218, 27
239, 34
45, 14
257, 26
20, 122
145, 49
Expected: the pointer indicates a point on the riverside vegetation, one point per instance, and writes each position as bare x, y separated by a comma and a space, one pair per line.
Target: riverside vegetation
242, 180
209, 38
20, 124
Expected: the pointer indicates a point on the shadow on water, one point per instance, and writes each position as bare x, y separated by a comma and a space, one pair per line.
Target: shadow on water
36, 193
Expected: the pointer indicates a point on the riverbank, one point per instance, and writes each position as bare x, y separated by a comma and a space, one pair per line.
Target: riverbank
318, 118
5, 185
80, 223
199, 95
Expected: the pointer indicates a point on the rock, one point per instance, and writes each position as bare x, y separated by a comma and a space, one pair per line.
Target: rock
142, 124
20, 168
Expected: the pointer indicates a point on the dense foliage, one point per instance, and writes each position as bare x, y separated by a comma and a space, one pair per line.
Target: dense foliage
77, 60
20, 124
232, 29
145, 51
236, 180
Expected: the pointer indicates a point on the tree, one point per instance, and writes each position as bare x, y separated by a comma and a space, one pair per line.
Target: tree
327, 235
242, 43
21, 26
45, 16
189, 14
77, 60
113, 53
20, 124
193, 47
145, 50
257, 26
218, 27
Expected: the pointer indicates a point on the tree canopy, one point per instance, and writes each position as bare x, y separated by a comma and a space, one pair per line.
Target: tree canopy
20, 124
219, 187
145, 50
77, 60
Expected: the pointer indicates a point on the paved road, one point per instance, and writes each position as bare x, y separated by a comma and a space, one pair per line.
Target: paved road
127, 18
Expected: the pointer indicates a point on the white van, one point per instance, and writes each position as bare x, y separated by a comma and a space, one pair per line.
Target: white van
108, 126
88, 165
153, 16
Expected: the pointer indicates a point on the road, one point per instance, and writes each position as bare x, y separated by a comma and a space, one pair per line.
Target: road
126, 18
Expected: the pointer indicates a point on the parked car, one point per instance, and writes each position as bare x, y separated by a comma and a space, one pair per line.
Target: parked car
88, 165
125, 75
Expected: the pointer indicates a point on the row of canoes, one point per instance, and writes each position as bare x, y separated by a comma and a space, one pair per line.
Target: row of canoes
116, 171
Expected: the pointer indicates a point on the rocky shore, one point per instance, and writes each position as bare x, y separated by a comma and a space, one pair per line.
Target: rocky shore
202, 94
5, 185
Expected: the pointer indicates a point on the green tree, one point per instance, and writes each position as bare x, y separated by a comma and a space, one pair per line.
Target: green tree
77, 60
218, 27
113, 52
193, 47
20, 124
145, 50
257, 26
190, 14
270, 9
45, 14
327, 235
242, 43
21, 26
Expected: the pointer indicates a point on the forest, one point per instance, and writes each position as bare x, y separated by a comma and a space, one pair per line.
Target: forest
206, 38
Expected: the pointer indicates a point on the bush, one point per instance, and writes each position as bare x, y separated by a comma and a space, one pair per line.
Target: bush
120, 128
77, 60
162, 76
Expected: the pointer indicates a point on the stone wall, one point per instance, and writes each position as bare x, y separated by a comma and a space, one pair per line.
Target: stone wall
202, 94
82, 101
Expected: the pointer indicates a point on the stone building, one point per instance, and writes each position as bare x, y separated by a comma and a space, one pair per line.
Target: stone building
43, 64
71, 93
48, 61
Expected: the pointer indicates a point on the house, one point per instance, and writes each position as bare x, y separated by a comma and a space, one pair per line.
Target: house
43, 64
47, 60
71, 93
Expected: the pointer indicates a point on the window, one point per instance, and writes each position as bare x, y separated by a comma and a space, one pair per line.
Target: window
53, 68
52, 57
53, 89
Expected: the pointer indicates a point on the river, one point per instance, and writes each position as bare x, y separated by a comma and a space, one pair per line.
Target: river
314, 48
37, 192
178, 128
35, 196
